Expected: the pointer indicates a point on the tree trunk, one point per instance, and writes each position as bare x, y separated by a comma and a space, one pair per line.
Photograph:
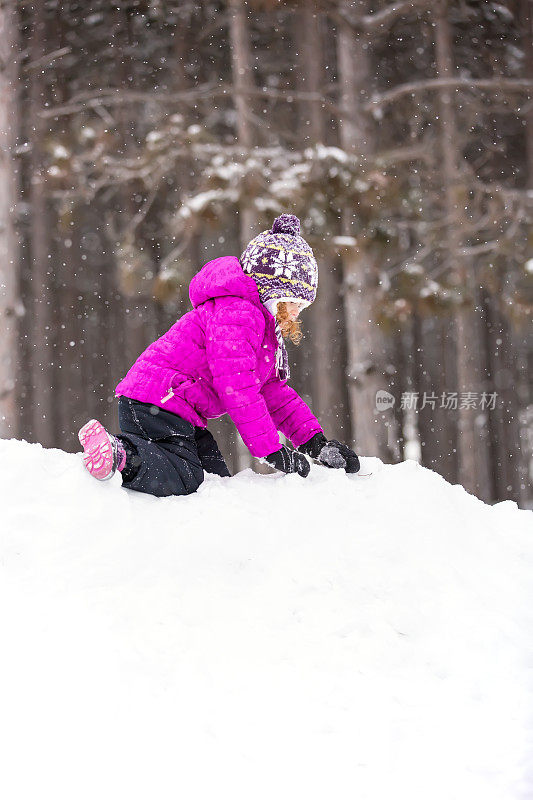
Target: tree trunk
222, 428
242, 81
138, 305
473, 473
311, 75
526, 27
366, 346
447, 418
327, 372
400, 384
523, 346
503, 426
523, 339
72, 408
436, 422
375, 430
41, 305
9, 245
424, 389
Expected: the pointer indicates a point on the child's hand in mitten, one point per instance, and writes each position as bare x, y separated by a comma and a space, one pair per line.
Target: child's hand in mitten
287, 460
331, 453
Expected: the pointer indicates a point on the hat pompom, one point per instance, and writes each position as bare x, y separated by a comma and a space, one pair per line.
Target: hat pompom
286, 223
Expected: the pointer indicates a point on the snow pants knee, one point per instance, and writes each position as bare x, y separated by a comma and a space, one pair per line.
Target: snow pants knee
172, 454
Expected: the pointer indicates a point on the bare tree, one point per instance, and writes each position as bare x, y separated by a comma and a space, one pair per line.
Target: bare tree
473, 473
9, 257
40, 309
366, 346
326, 313
242, 80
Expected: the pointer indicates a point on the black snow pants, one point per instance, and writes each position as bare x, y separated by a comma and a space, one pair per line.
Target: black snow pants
169, 454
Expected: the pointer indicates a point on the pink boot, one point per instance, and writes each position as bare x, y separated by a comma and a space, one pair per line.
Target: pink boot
104, 453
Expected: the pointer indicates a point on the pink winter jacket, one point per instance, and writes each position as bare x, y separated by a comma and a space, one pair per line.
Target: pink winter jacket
220, 358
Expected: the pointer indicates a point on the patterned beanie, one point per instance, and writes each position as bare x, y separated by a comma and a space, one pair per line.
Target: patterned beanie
285, 270
282, 263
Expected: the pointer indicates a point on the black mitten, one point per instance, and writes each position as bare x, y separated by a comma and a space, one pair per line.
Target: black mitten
331, 453
287, 460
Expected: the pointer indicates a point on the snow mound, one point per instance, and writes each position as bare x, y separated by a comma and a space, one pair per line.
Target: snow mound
267, 637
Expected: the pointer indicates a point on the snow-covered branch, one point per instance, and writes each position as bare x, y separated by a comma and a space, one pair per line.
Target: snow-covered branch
379, 21
434, 84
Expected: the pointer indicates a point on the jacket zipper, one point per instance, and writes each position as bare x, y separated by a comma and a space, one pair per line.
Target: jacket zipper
167, 396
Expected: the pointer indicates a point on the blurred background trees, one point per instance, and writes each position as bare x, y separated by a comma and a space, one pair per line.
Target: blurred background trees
142, 138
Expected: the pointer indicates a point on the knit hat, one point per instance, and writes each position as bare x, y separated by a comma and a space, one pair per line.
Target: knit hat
281, 263
285, 270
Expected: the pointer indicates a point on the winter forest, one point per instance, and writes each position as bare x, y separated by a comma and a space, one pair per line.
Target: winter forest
142, 138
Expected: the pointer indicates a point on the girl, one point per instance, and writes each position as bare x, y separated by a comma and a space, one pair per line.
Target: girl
227, 355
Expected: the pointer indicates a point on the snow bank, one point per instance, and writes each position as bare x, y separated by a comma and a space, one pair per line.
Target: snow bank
268, 637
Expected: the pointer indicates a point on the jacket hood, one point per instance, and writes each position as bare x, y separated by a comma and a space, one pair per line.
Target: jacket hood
222, 277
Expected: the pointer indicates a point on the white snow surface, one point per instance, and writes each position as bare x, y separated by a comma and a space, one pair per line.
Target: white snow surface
268, 637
